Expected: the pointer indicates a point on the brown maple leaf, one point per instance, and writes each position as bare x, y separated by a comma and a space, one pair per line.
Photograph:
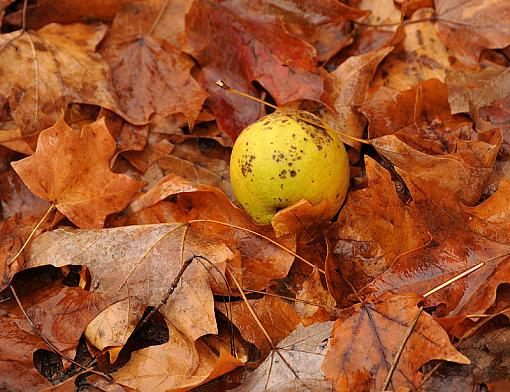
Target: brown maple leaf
150, 75
44, 71
468, 27
71, 170
360, 251
462, 237
365, 340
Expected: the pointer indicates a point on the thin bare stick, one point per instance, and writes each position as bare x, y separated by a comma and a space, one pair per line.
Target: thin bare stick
258, 235
223, 85
51, 345
32, 233
259, 323
170, 291
291, 299
400, 350
220, 83
454, 279
158, 18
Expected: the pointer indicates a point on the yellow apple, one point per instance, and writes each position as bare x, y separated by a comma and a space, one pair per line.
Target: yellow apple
282, 159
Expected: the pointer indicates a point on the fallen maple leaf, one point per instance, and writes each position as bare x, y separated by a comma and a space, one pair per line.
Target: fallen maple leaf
169, 367
141, 262
468, 27
217, 32
44, 71
365, 340
360, 251
457, 245
149, 74
302, 352
71, 170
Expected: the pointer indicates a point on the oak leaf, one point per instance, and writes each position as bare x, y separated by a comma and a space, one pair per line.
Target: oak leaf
365, 340
71, 170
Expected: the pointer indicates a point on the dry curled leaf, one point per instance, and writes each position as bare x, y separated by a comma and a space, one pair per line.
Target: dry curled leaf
72, 170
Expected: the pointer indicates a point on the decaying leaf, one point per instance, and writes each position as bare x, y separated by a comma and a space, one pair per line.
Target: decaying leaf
468, 27
59, 312
72, 170
381, 327
149, 74
303, 352
44, 71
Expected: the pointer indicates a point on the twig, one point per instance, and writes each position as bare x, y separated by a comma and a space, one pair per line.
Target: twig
258, 235
400, 350
454, 279
170, 291
32, 233
51, 345
224, 86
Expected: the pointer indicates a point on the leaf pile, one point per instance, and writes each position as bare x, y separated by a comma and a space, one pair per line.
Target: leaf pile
125, 262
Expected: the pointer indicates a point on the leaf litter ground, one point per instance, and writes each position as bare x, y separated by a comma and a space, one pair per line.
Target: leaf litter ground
125, 261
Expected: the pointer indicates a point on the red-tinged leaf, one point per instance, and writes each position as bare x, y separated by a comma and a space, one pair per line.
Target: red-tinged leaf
71, 170
359, 251
460, 240
149, 74
59, 312
365, 340
66, 70
233, 42
468, 27
65, 11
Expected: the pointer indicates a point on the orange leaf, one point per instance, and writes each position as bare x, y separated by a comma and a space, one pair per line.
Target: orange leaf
72, 171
